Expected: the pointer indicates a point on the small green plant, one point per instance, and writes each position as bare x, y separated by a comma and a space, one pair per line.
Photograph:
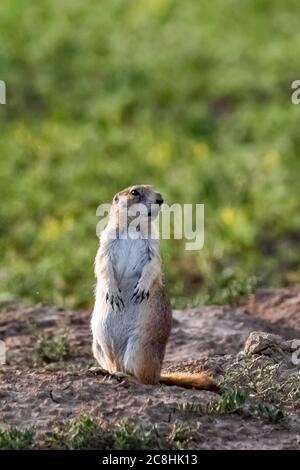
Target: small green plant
129, 437
235, 291
52, 349
239, 290
290, 389
261, 377
14, 438
230, 402
267, 411
236, 401
86, 433
191, 407
179, 436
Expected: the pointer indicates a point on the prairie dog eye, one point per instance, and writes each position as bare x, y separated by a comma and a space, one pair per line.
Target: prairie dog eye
134, 192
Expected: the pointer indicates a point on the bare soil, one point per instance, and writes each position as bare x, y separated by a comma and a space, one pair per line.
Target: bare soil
48, 396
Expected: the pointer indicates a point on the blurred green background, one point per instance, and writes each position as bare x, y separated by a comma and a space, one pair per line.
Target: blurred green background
192, 96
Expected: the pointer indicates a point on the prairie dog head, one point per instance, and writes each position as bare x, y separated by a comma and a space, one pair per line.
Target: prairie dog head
138, 200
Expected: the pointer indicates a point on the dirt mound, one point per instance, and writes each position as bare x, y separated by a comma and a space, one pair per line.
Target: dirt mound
46, 381
281, 307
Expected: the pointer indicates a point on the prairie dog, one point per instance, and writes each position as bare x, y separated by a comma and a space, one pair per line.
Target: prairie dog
131, 320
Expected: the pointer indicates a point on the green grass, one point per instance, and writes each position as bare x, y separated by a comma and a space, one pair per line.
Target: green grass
193, 97
86, 432
126, 437
50, 349
268, 412
264, 379
14, 438
236, 400
230, 402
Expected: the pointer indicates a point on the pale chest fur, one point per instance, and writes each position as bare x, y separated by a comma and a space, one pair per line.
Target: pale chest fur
128, 258
111, 327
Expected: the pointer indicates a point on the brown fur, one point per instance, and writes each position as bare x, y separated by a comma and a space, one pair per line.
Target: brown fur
198, 381
154, 324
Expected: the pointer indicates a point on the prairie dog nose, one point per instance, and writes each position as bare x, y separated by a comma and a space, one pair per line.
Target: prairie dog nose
159, 199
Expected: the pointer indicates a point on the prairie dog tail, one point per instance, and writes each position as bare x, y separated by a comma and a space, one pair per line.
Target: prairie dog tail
199, 380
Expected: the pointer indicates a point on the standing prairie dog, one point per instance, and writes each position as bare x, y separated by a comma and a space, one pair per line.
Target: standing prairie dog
131, 321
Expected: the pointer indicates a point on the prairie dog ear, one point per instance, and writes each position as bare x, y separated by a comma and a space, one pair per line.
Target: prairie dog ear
116, 198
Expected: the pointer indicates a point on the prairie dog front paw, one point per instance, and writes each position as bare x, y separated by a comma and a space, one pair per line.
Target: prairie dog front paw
141, 292
113, 296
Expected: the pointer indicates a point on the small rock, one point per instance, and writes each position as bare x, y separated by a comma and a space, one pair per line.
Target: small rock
259, 342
